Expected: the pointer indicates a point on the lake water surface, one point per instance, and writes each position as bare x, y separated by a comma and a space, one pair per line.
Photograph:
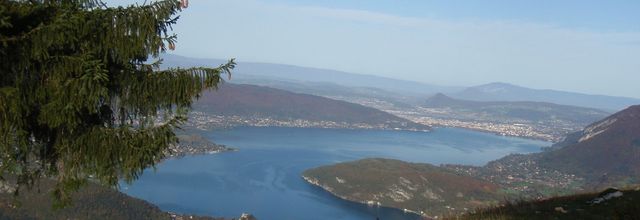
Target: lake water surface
263, 177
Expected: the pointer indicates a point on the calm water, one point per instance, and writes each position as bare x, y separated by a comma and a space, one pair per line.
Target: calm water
263, 177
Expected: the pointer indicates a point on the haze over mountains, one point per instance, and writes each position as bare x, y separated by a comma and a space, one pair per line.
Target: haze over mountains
330, 83
261, 71
340, 92
516, 111
508, 92
251, 101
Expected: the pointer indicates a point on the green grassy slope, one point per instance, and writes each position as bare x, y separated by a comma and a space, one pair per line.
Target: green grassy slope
422, 188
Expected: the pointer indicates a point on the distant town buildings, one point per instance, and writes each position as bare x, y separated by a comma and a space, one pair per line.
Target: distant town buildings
439, 117
206, 121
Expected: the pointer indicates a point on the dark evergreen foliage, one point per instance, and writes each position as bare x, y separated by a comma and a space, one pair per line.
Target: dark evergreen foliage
79, 97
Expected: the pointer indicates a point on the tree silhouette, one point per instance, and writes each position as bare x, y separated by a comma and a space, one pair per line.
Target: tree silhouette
81, 93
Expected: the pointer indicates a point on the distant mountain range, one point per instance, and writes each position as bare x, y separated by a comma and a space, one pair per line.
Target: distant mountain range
340, 92
325, 82
259, 71
604, 154
264, 102
508, 92
516, 111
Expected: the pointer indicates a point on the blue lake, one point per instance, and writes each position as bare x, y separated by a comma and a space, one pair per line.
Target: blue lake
263, 177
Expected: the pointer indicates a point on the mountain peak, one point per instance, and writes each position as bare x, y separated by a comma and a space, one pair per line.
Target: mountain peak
496, 88
440, 96
439, 100
498, 84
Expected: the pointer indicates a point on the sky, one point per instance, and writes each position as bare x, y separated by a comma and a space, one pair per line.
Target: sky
572, 45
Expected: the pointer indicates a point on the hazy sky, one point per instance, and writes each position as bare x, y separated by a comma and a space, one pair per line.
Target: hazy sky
574, 45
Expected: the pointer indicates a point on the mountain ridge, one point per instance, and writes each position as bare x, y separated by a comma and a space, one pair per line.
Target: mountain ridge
499, 91
608, 149
533, 109
253, 70
256, 72
251, 101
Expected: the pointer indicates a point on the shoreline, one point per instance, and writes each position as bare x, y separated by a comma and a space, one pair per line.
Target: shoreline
182, 155
496, 133
434, 127
202, 121
316, 183
317, 127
